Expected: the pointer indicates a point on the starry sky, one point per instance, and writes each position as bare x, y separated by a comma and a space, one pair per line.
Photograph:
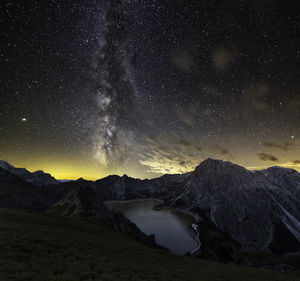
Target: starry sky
91, 88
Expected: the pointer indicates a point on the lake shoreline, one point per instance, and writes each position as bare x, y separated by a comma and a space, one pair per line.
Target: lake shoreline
171, 226
158, 207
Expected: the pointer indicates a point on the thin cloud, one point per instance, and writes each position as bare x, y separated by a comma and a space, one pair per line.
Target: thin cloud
183, 61
224, 151
198, 148
169, 156
188, 116
222, 59
283, 146
184, 143
267, 157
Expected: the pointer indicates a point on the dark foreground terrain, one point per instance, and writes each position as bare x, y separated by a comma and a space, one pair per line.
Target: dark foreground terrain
42, 247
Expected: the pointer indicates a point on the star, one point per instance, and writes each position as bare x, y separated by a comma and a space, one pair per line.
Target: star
123, 81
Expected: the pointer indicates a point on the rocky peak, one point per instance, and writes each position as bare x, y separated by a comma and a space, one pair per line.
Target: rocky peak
215, 164
279, 171
80, 180
212, 170
16, 171
4, 165
37, 178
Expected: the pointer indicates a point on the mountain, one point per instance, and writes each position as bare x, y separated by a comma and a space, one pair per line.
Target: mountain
37, 178
258, 209
20, 189
19, 194
240, 210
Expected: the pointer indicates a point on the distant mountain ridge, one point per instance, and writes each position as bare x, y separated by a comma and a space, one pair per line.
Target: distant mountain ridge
259, 210
37, 178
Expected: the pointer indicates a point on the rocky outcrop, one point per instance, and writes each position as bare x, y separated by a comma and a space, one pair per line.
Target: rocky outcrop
80, 200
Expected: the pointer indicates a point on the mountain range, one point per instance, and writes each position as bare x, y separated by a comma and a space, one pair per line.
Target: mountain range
239, 210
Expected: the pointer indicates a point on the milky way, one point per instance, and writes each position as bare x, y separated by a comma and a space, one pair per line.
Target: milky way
149, 87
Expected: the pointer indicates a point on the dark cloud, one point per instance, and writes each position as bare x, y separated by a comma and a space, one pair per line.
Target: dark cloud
198, 148
162, 148
222, 59
267, 157
192, 155
188, 117
224, 151
184, 143
183, 61
209, 114
255, 99
294, 103
296, 161
284, 146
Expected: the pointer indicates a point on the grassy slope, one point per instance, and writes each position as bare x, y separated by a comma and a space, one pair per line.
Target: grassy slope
9, 189
41, 247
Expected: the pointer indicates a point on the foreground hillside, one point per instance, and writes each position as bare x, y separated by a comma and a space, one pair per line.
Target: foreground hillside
41, 247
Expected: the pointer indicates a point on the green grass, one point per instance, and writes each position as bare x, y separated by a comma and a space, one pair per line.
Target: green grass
269, 259
42, 247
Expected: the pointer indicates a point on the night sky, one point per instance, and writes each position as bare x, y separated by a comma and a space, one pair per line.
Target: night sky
91, 88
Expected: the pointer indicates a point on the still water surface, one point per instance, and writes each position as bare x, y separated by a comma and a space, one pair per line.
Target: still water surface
170, 226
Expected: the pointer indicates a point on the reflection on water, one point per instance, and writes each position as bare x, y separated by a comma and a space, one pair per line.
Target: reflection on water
171, 227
